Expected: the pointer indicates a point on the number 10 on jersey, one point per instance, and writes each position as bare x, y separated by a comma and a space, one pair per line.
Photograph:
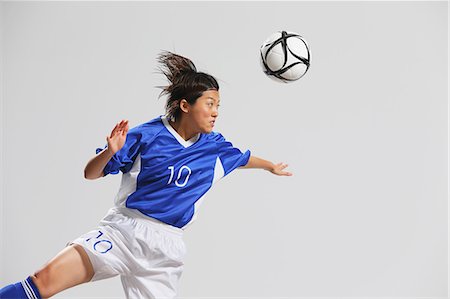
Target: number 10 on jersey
183, 171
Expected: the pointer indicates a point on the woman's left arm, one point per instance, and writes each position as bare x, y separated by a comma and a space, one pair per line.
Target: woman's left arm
255, 162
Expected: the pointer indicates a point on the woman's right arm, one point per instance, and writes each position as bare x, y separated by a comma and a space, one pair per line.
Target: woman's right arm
95, 166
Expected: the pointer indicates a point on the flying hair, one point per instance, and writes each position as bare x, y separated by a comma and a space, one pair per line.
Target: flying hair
185, 82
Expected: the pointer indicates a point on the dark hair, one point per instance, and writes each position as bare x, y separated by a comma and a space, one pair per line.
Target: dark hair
186, 82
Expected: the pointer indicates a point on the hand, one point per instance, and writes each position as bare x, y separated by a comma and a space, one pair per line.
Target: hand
278, 169
118, 136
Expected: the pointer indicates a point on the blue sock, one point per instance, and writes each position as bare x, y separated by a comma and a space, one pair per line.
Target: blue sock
22, 290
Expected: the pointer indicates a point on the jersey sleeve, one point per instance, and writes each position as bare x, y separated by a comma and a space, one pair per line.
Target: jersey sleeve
124, 158
230, 156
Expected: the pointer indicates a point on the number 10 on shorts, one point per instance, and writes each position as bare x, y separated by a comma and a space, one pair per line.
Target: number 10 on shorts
99, 244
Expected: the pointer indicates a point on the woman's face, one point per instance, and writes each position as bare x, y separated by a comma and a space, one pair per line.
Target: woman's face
205, 111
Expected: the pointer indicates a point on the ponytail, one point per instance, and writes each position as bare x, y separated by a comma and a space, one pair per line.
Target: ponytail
185, 82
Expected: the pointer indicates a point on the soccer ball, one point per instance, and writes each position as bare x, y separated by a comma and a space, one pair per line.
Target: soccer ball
285, 56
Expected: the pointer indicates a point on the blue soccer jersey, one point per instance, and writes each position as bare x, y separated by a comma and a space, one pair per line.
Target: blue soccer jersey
166, 177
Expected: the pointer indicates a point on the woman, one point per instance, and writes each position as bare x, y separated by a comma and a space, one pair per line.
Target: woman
168, 164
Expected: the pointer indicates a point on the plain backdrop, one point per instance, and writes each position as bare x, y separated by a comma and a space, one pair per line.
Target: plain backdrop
365, 133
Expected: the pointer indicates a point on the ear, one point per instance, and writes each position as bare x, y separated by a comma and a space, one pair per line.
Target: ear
184, 106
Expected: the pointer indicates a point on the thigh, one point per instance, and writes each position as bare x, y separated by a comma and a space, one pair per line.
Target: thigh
107, 250
70, 267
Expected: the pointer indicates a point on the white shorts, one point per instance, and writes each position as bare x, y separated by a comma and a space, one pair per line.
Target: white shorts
146, 253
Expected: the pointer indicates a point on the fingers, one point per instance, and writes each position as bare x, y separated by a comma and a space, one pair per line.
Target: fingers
122, 125
120, 128
125, 129
286, 173
280, 167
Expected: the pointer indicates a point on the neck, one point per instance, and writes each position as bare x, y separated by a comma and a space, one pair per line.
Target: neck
183, 128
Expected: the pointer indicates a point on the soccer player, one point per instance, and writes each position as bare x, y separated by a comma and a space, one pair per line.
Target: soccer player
167, 165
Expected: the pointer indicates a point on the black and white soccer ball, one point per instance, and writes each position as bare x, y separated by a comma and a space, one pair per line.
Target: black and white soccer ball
285, 56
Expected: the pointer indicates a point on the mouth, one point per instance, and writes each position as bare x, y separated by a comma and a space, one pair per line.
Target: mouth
212, 123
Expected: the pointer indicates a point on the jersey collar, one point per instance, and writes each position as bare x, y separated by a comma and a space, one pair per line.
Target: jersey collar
185, 143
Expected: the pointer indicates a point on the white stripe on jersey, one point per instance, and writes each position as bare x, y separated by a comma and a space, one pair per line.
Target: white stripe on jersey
219, 173
128, 183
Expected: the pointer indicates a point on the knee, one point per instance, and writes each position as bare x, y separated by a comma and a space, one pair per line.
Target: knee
69, 268
43, 281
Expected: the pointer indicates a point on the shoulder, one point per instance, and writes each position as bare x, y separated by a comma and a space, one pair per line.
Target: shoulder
148, 129
215, 137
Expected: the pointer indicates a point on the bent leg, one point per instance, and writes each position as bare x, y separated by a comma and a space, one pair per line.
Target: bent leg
68, 268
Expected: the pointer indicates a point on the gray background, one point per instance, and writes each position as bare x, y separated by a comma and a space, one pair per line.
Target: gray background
364, 132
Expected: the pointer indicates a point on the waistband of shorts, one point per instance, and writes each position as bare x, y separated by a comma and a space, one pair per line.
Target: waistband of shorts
142, 218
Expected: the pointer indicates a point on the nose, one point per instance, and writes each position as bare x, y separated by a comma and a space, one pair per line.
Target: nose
215, 113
